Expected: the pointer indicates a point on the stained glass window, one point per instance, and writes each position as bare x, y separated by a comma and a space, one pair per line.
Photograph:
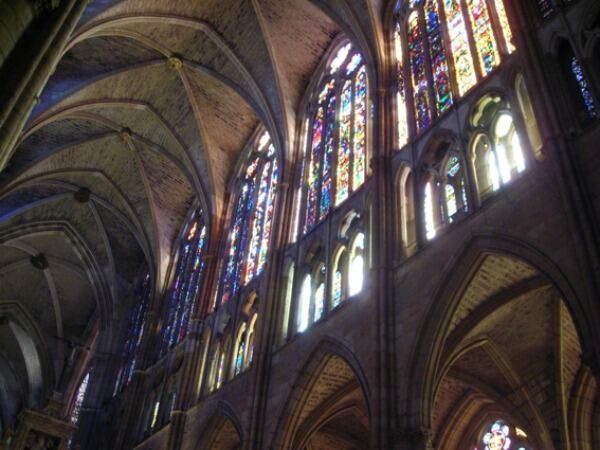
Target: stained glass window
79, 399
357, 265
303, 314
499, 155
135, 333
335, 160
187, 280
546, 7
239, 358
444, 39
252, 219
500, 436
586, 95
401, 113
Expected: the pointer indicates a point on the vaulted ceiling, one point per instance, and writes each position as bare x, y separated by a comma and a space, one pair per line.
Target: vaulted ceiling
145, 116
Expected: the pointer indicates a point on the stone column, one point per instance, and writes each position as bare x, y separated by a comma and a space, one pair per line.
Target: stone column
25, 94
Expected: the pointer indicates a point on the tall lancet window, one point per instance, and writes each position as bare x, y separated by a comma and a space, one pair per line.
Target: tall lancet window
443, 48
135, 332
337, 136
187, 281
252, 219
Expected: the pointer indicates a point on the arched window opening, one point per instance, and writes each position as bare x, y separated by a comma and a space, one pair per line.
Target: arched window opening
338, 285
498, 154
214, 369
407, 213
445, 192
250, 342
319, 307
336, 153
579, 93
240, 354
304, 302
429, 211
455, 190
589, 103
501, 436
451, 45
154, 417
79, 399
289, 291
526, 106
356, 270
252, 219
135, 333
220, 376
187, 281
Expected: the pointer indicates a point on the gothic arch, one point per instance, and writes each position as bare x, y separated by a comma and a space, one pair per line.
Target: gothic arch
301, 417
223, 431
458, 274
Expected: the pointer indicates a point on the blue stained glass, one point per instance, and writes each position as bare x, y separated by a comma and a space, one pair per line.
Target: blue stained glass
328, 160
186, 285
250, 228
588, 100
135, 332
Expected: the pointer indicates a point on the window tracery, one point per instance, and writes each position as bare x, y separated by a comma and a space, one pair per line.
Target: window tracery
450, 46
499, 435
497, 147
135, 333
250, 229
187, 281
335, 161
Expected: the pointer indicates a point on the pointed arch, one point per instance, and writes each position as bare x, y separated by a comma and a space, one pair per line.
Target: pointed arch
301, 416
426, 369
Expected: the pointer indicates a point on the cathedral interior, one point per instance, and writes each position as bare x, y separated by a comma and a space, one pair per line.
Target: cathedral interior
299, 224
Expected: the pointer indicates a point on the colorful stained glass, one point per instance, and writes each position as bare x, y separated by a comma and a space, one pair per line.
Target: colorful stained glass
266, 233
505, 25
250, 230
483, 35
319, 302
332, 173
354, 63
257, 223
498, 437
185, 289
326, 177
340, 58
402, 121
360, 128
462, 59
337, 288
135, 332
239, 358
586, 95
79, 399
437, 53
420, 83
314, 171
344, 149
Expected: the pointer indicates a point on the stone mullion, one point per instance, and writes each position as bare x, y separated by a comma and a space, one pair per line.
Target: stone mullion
498, 32
431, 92
480, 71
445, 35
16, 110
